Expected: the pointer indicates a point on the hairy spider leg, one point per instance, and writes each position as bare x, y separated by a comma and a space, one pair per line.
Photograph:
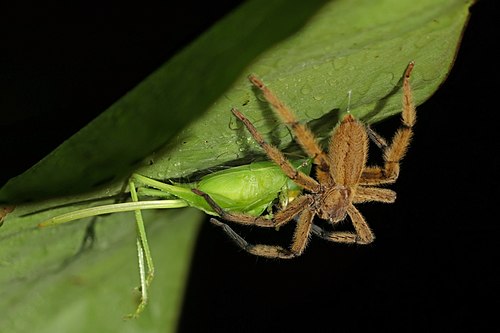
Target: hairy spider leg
367, 193
277, 156
279, 219
394, 152
303, 134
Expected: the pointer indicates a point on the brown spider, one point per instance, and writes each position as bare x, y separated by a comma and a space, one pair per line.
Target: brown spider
342, 178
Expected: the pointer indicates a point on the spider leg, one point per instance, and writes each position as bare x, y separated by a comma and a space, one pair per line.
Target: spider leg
394, 152
280, 218
365, 194
300, 239
303, 134
277, 156
362, 234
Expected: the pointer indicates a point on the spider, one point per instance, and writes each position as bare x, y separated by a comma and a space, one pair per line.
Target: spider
342, 178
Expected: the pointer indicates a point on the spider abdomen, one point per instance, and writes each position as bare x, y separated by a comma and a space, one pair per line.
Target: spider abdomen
348, 151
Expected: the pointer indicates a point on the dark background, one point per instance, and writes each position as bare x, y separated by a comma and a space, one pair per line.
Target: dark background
433, 266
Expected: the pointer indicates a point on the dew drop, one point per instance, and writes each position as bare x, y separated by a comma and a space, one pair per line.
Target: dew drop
339, 62
430, 75
306, 89
424, 41
385, 80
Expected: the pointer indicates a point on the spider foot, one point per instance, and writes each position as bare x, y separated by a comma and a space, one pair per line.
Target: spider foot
361, 241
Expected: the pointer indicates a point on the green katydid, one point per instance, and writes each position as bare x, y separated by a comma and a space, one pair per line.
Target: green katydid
252, 189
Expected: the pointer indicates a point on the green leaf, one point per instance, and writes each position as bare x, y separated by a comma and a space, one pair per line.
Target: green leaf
311, 59
46, 285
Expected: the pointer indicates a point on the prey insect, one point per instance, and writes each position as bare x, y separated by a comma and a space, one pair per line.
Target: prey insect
341, 180
252, 189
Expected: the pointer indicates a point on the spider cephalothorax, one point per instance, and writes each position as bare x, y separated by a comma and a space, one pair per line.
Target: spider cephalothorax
342, 178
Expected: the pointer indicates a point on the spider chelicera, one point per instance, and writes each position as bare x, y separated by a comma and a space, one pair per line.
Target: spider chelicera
342, 178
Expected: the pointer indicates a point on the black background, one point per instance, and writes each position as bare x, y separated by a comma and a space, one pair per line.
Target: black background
433, 266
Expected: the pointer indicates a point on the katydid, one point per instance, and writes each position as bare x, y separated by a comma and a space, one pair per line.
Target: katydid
252, 189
